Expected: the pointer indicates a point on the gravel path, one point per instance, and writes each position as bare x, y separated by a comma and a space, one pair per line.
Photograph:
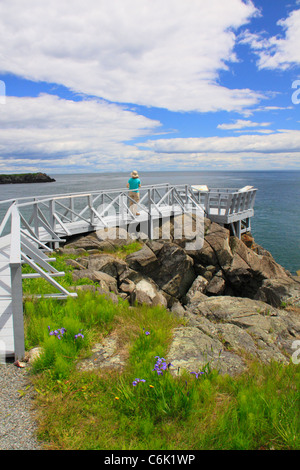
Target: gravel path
17, 424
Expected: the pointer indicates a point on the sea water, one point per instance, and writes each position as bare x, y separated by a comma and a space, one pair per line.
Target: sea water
276, 221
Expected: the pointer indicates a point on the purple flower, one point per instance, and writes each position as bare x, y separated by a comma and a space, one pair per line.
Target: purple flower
136, 381
146, 332
58, 333
197, 374
79, 335
161, 365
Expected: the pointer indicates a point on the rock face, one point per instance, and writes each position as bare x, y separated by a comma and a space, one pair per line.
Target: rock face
26, 178
237, 302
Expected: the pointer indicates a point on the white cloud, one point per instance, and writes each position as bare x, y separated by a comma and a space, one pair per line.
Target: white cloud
57, 136
284, 141
279, 150
277, 52
165, 54
240, 124
48, 131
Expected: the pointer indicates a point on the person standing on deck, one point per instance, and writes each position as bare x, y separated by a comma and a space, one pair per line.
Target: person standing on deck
134, 183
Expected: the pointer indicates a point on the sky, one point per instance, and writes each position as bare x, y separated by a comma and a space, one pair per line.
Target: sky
151, 85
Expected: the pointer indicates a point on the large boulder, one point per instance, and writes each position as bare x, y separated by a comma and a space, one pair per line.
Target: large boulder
146, 292
224, 332
198, 287
176, 272
242, 268
107, 264
102, 239
272, 329
216, 285
193, 350
107, 282
258, 276
182, 229
217, 238
87, 242
143, 260
216, 249
171, 267
279, 292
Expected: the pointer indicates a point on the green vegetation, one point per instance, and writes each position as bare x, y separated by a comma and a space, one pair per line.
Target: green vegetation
148, 405
125, 250
40, 286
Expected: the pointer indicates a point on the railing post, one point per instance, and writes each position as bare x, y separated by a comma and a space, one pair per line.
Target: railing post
16, 285
122, 207
150, 220
52, 222
92, 215
17, 309
51, 214
186, 196
72, 209
35, 215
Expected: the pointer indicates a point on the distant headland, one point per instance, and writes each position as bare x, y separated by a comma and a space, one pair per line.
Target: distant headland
26, 178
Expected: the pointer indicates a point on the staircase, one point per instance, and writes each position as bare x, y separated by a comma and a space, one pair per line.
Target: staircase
17, 248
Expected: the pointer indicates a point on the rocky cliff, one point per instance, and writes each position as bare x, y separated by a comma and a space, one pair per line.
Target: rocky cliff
26, 178
236, 302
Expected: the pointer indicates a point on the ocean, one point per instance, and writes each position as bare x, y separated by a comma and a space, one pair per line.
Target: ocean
276, 221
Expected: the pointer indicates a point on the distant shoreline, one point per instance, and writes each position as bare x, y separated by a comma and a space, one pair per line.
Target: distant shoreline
26, 178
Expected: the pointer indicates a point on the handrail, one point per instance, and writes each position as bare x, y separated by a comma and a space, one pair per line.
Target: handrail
15, 241
48, 197
5, 219
90, 207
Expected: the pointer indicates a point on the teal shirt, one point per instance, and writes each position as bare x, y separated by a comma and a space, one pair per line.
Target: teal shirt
134, 184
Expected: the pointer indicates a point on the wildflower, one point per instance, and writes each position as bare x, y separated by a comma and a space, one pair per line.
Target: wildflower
161, 365
146, 332
58, 333
151, 386
117, 398
79, 335
136, 381
197, 374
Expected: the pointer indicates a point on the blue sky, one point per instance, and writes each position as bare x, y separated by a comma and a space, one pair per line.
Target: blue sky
149, 85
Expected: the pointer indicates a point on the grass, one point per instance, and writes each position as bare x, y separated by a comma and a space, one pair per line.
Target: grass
41, 286
139, 408
124, 250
